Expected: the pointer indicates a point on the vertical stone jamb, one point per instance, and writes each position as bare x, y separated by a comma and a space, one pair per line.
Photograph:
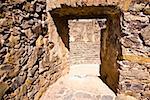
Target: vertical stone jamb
110, 49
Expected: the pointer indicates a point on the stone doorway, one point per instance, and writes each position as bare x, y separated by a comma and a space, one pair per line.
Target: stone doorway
84, 41
110, 48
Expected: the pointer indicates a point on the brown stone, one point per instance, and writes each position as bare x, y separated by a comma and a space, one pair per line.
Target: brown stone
33, 58
3, 89
28, 33
147, 11
146, 35
14, 40
39, 41
37, 29
28, 7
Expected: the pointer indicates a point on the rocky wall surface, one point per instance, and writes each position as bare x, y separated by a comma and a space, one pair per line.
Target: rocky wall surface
32, 55
134, 72
30, 60
84, 41
135, 19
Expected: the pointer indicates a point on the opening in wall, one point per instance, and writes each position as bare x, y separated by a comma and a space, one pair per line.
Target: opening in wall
84, 40
109, 40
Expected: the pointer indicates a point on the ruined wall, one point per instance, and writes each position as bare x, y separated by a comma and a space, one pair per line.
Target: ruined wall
135, 73
134, 64
32, 55
30, 60
84, 41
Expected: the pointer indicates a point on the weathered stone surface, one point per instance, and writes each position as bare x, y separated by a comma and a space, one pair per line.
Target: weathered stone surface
39, 41
28, 33
129, 17
13, 40
146, 35
37, 29
125, 97
33, 58
147, 11
3, 89
24, 39
107, 97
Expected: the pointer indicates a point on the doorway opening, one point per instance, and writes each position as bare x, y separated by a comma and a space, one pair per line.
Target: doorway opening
110, 48
84, 43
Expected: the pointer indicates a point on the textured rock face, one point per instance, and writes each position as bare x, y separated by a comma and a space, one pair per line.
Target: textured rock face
134, 40
110, 46
29, 60
85, 41
134, 72
33, 56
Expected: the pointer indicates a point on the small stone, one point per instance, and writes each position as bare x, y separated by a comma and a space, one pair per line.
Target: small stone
146, 36
37, 29
25, 25
137, 7
39, 41
17, 46
147, 11
3, 89
82, 95
136, 86
33, 70
38, 9
3, 50
23, 89
6, 67
42, 70
23, 60
6, 36
32, 39
36, 15
28, 7
129, 17
14, 40
107, 97
28, 33
15, 31
31, 21
124, 97
33, 58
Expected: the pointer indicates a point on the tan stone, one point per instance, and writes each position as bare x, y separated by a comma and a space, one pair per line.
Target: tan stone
42, 81
23, 90
146, 35
126, 4
14, 40
40, 92
1, 41
129, 17
147, 11
3, 89
125, 97
39, 41
134, 58
33, 58
28, 33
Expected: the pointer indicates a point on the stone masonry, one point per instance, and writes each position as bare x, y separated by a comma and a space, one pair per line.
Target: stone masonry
29, 59
85, 41
33, 53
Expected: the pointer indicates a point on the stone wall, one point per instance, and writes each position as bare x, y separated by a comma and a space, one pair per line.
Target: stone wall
33, 56
134, 62
30, 60
135, 73
84, 41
